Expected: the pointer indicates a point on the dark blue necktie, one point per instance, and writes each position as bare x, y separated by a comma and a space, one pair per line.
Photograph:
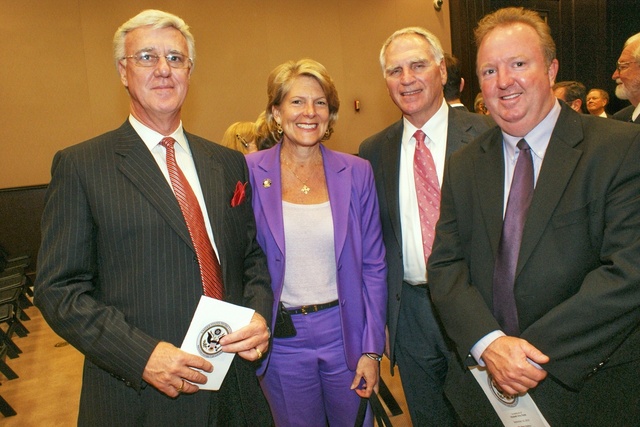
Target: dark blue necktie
504, 273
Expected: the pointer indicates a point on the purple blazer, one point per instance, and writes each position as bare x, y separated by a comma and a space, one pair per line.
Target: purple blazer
360, 253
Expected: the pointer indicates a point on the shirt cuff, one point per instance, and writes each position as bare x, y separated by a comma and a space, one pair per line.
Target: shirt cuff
483, 343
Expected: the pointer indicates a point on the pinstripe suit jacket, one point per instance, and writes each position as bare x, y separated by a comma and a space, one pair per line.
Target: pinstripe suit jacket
118, 272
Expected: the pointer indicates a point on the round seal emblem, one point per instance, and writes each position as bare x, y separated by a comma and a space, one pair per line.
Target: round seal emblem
209, 338
505, 399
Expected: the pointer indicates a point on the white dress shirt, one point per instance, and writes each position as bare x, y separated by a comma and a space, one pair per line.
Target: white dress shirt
415, 268
184, 159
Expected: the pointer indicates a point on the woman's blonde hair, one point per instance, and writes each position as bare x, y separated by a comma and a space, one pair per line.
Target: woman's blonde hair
239, 135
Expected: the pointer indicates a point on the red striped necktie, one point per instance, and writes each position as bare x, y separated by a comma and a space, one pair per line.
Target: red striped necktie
209, 265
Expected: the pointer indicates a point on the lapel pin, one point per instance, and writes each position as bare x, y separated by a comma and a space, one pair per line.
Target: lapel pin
266, 183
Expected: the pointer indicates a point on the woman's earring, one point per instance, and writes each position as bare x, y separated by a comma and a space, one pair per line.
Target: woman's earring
279, 129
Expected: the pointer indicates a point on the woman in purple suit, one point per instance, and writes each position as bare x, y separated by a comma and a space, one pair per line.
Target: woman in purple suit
318, 222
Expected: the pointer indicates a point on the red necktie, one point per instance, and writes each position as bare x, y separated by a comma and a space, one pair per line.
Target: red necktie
209, 265
427, 191
504, 273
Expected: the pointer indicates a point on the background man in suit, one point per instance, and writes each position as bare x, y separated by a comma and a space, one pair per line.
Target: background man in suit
597, 100
627, 76
414, 70
455, 83
571, 92
575, 280
119, 277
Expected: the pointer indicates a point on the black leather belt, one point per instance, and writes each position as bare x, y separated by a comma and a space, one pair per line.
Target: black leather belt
306, 309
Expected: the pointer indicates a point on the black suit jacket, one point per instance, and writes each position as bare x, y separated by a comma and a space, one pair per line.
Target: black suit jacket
625, 115
117, 271
383, 151
577, 280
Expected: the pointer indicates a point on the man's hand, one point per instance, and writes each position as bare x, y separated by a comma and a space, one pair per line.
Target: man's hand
169, 367
367, 370
250, 342
506, 360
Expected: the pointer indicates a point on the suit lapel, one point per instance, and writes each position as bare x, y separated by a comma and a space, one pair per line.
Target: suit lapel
390, 165
211, 177
139, 166
270, 197
457, 132
338, 176
560, 161
489, 170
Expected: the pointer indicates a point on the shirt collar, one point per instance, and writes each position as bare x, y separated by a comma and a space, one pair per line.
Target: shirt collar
434, 128
151, 138
538, 138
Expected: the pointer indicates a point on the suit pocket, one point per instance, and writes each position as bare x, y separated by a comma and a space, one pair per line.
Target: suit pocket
576, 216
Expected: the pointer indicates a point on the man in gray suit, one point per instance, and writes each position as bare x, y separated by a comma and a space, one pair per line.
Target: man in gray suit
119, 277
415, 72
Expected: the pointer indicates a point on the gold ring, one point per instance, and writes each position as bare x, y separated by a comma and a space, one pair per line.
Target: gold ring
179, 390
259, 353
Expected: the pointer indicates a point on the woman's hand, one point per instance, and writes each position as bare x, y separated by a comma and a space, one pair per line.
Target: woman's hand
367, 371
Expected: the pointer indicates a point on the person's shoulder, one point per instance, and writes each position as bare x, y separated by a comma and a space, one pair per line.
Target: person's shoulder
215, 149
479, 121
595, 126
624, 114
383, 135
257, 157
102, 141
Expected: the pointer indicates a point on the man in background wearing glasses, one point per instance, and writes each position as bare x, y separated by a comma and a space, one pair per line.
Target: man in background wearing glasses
627, 76
121, 268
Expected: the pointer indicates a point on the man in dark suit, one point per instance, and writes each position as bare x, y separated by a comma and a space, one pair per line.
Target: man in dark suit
414, 71
455, 83
627, 76
118, 275
571, 92
574, 280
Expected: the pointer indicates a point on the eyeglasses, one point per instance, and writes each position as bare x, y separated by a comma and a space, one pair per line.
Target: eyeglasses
148, 59
621, 66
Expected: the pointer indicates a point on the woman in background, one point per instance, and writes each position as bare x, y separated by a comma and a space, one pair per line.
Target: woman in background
318, 223
241, 136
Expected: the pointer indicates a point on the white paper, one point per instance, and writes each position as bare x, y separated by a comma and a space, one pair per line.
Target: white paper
212, 320
520, 411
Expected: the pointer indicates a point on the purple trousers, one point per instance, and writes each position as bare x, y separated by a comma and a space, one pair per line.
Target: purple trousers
307, 382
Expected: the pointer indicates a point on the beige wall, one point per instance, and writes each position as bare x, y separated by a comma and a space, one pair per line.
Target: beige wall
59, 84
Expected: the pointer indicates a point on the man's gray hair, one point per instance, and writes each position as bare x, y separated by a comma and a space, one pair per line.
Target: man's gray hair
155, 19
432, 40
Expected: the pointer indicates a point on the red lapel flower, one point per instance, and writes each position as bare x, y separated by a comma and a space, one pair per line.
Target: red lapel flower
239, 194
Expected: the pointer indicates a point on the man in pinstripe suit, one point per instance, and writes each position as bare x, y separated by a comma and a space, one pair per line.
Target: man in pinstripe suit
118, 275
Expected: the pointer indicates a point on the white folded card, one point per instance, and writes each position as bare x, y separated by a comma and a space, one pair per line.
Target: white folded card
212, 320
519, 411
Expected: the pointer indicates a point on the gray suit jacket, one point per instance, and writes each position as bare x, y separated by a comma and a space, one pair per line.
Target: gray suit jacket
117, 271
577, 283
383, 151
